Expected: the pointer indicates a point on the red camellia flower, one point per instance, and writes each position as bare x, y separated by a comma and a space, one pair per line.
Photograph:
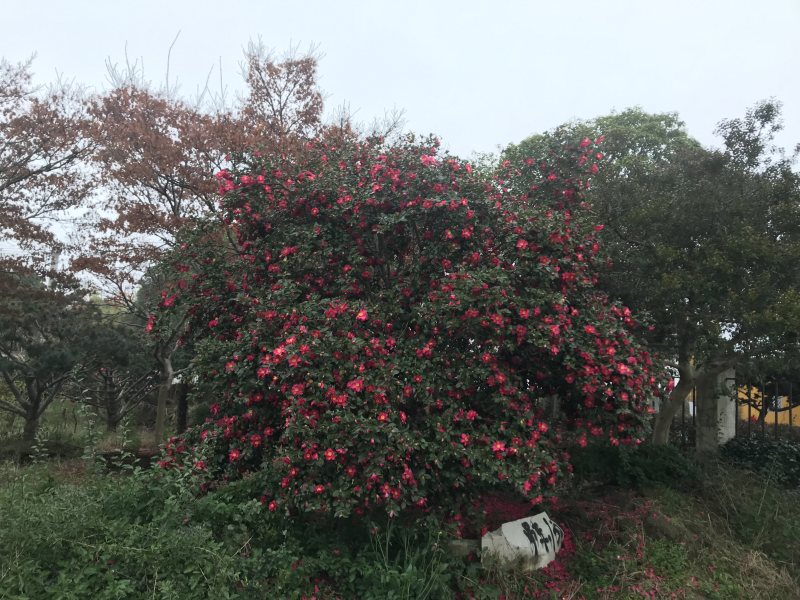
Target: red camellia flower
356, 385
362, 315
624, 369
234, 455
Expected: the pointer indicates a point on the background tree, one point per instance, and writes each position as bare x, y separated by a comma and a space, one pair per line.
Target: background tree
41, 342
119, 371
43, 181
42, 144
701, 240
283, 104
157, 164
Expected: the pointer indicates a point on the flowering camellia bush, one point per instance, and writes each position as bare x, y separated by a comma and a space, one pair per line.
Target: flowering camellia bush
380, 326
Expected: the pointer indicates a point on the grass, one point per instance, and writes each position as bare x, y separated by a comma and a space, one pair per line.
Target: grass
67, 428
734, 534
720, 533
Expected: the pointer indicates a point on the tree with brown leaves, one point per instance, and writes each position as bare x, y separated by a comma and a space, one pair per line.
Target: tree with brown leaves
156, 155
283, 104
42, 182
42, 144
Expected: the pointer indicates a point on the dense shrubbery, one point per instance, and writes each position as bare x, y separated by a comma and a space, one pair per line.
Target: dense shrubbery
391, 326
100, 540
143, 536
779, 460
643, 467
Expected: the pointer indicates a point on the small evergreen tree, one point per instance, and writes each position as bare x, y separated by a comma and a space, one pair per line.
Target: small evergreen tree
41, 340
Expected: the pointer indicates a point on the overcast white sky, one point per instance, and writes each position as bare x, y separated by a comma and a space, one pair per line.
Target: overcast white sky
478, 73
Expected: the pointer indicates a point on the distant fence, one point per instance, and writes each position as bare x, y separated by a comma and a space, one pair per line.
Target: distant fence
764, 408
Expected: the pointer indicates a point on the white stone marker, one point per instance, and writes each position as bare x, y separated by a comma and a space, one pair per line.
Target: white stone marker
534, 541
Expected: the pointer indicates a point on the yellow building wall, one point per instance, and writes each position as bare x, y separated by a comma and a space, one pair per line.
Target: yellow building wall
784, 417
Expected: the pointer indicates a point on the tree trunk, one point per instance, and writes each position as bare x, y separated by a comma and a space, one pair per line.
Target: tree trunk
670, 408
113, 420
30, 429
113, 406
33, 411
707, 422
163, 354
164, 387
182, 407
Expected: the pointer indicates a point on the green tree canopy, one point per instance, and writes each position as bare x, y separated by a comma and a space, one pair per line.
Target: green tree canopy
705, 241
41, 340
119, 370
